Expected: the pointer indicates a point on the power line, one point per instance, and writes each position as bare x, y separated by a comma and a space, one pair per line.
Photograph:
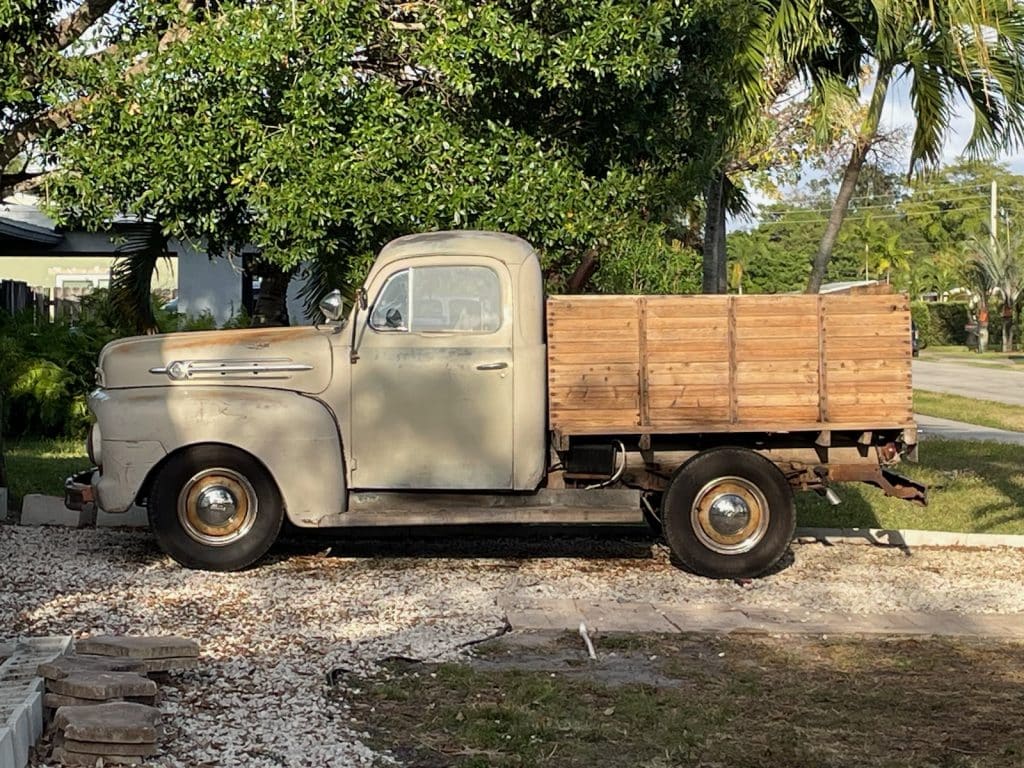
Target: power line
888, 206
778, 222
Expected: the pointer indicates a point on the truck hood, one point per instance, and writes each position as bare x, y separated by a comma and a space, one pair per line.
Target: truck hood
297, 359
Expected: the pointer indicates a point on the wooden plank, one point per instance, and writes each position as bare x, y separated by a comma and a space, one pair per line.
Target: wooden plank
733, 351
561, 418
754, 367
559, 380
823, 412
665, 418
689, 323
688, 366
854, 376
779, 334
715, 378
581, 356
777, 418
852, 306
686, 336
645, 414
806, 322
779, 398
593, 320
780, 387
870, 321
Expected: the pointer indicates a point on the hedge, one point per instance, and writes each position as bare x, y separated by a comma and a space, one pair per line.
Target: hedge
942, 323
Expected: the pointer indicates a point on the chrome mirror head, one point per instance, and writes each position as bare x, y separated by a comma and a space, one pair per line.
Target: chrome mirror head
332, 306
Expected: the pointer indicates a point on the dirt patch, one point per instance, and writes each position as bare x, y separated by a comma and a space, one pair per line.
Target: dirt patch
537, 700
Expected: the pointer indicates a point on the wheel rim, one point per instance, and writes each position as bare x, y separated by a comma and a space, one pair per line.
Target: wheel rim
217, 507
730, 515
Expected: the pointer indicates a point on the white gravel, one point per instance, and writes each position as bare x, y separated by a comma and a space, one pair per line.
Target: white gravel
271, 635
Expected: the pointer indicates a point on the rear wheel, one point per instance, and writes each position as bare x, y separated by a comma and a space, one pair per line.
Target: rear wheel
728, 513
215, 508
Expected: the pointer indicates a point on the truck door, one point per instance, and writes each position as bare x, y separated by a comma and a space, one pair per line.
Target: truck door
432, 396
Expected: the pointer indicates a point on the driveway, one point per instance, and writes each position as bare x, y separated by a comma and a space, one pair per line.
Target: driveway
276, 639
970, 381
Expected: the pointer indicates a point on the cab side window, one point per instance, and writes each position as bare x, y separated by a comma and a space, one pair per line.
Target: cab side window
440, 299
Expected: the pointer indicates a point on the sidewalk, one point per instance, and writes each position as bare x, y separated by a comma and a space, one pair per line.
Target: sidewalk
947, 429
612, 616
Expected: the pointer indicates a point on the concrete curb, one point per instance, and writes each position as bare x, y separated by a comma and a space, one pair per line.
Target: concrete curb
37, 509
903, 539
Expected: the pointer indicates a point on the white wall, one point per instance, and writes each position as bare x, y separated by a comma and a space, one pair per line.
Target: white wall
207, 284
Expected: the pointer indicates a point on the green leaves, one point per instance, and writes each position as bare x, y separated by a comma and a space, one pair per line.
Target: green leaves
318, 131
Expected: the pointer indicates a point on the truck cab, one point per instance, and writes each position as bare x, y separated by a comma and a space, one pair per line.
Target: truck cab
432, 400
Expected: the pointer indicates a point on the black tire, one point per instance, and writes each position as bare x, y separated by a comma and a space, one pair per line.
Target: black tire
739, 479
176, 509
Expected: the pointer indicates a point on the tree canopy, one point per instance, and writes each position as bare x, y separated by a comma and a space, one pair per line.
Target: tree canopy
318, 131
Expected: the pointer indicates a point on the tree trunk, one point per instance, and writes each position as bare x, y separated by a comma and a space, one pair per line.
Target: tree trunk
714, 278
1007, 333
868, 131
272, 303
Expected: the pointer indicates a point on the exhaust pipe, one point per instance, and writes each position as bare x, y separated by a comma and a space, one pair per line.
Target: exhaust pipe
830, 496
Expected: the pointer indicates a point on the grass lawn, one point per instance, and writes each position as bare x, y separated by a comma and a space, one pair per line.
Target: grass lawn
986, 413
742, 701
974, 487
40, 465
1008, 361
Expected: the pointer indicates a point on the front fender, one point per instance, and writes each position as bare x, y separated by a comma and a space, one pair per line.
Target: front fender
294, 436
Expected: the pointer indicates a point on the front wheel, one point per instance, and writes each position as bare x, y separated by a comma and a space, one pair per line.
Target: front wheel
215, 508
728, 513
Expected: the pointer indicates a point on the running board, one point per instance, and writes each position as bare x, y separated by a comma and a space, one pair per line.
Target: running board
545, 507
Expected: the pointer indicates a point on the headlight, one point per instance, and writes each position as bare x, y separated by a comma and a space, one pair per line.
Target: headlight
93, 445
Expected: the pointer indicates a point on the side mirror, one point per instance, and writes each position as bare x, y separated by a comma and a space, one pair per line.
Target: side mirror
333, 306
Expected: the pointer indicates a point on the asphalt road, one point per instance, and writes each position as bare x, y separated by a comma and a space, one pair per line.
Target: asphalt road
983, 383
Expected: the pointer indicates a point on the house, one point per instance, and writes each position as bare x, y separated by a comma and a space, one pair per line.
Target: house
36, 251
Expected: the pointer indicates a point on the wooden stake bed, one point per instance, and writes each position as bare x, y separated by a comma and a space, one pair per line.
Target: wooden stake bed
686, 364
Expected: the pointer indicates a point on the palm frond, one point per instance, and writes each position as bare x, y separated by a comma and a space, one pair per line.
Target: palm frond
140, 249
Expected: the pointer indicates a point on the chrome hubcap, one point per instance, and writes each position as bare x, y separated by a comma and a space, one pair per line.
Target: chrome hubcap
730, 515
217, 507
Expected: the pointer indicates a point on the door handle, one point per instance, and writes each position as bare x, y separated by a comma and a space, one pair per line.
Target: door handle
492, 366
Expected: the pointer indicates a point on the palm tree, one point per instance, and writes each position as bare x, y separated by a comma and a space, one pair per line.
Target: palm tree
998, 268
948, 49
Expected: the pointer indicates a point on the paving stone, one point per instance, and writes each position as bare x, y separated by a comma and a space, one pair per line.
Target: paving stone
90, 684
116, 723
610, 616
67, 757
100, 748
159, 666
62, 666
37, 509
149, 647
56, 700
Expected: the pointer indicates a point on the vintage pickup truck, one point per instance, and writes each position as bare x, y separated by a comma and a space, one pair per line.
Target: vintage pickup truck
453, 392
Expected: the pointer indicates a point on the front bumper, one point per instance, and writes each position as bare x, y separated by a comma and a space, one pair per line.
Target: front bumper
78, 491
